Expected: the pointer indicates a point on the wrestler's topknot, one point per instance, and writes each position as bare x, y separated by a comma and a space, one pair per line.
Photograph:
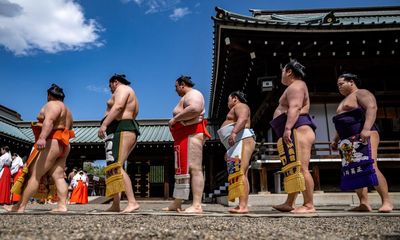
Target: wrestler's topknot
297, 68
351, 77
240, 95
120, 78
186, 80
56, 92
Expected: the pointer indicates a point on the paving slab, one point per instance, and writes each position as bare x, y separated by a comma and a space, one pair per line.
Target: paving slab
91, 222
209, 210
320, 199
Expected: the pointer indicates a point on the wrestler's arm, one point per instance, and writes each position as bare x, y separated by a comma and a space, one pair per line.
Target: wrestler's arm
334, 143
242, 113
70, 120
51, 113
193, 103
295, 98
120, 98
368, 102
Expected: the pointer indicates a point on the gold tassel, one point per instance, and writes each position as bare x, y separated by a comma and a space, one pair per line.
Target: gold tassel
294, 183
114, 181
235, 189
52, 191
40, 195
294, 180
19, 184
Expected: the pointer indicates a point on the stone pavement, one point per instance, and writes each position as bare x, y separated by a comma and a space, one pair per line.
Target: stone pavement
320, 199
89, 222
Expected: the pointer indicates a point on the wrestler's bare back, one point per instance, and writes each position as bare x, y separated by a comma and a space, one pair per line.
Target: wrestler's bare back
130, 106
64, 118
284, 101
191, 97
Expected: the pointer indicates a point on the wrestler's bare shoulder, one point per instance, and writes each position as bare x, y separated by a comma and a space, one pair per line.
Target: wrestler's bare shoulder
241, 106
53, 105
298, 85
194, 93
363, 92
123, 89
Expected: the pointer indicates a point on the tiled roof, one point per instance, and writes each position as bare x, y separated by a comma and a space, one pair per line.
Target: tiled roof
10, 129
318, 18
152, 131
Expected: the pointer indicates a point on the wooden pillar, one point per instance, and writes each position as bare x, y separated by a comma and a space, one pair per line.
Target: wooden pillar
166, 178
263, 178
315, 175
253, 181
211, 169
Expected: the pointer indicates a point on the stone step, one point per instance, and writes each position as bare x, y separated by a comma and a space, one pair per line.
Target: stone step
320, 199
99, 199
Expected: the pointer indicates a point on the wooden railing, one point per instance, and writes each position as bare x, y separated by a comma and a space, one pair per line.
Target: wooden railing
267, 151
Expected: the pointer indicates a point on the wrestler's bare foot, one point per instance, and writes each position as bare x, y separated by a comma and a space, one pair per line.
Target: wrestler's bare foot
14, 208
386, 207
239, 210
361, 208
131, 208
191, 209
303, 209
176, 205
113, 209
59, 210
283, 207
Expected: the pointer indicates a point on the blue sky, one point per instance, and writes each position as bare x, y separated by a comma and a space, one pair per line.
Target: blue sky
80, 44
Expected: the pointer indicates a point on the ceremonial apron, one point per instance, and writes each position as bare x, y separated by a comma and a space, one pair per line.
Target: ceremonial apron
63, 136
181, 135
113, 146
357, 162
234, 156
289, 154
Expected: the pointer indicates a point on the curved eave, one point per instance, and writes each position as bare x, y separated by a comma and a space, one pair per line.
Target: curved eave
5, 135
306, 27
215, 63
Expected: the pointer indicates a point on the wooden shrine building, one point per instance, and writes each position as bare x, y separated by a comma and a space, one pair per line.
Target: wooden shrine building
249, 52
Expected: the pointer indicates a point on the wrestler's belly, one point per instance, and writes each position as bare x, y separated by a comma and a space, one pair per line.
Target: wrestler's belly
278, 113
227, 122
192, 121
60, 126
128, 115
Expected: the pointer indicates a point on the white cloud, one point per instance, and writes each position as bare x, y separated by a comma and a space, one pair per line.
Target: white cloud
179, 13
48, 25
8, 9
155, 6
97, 89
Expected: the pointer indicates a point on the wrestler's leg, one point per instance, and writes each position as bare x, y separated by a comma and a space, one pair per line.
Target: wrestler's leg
248, 149
289, 204
382, 188
362, 194
129, 143
195, 159
42, 165
57, 173
305, 140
